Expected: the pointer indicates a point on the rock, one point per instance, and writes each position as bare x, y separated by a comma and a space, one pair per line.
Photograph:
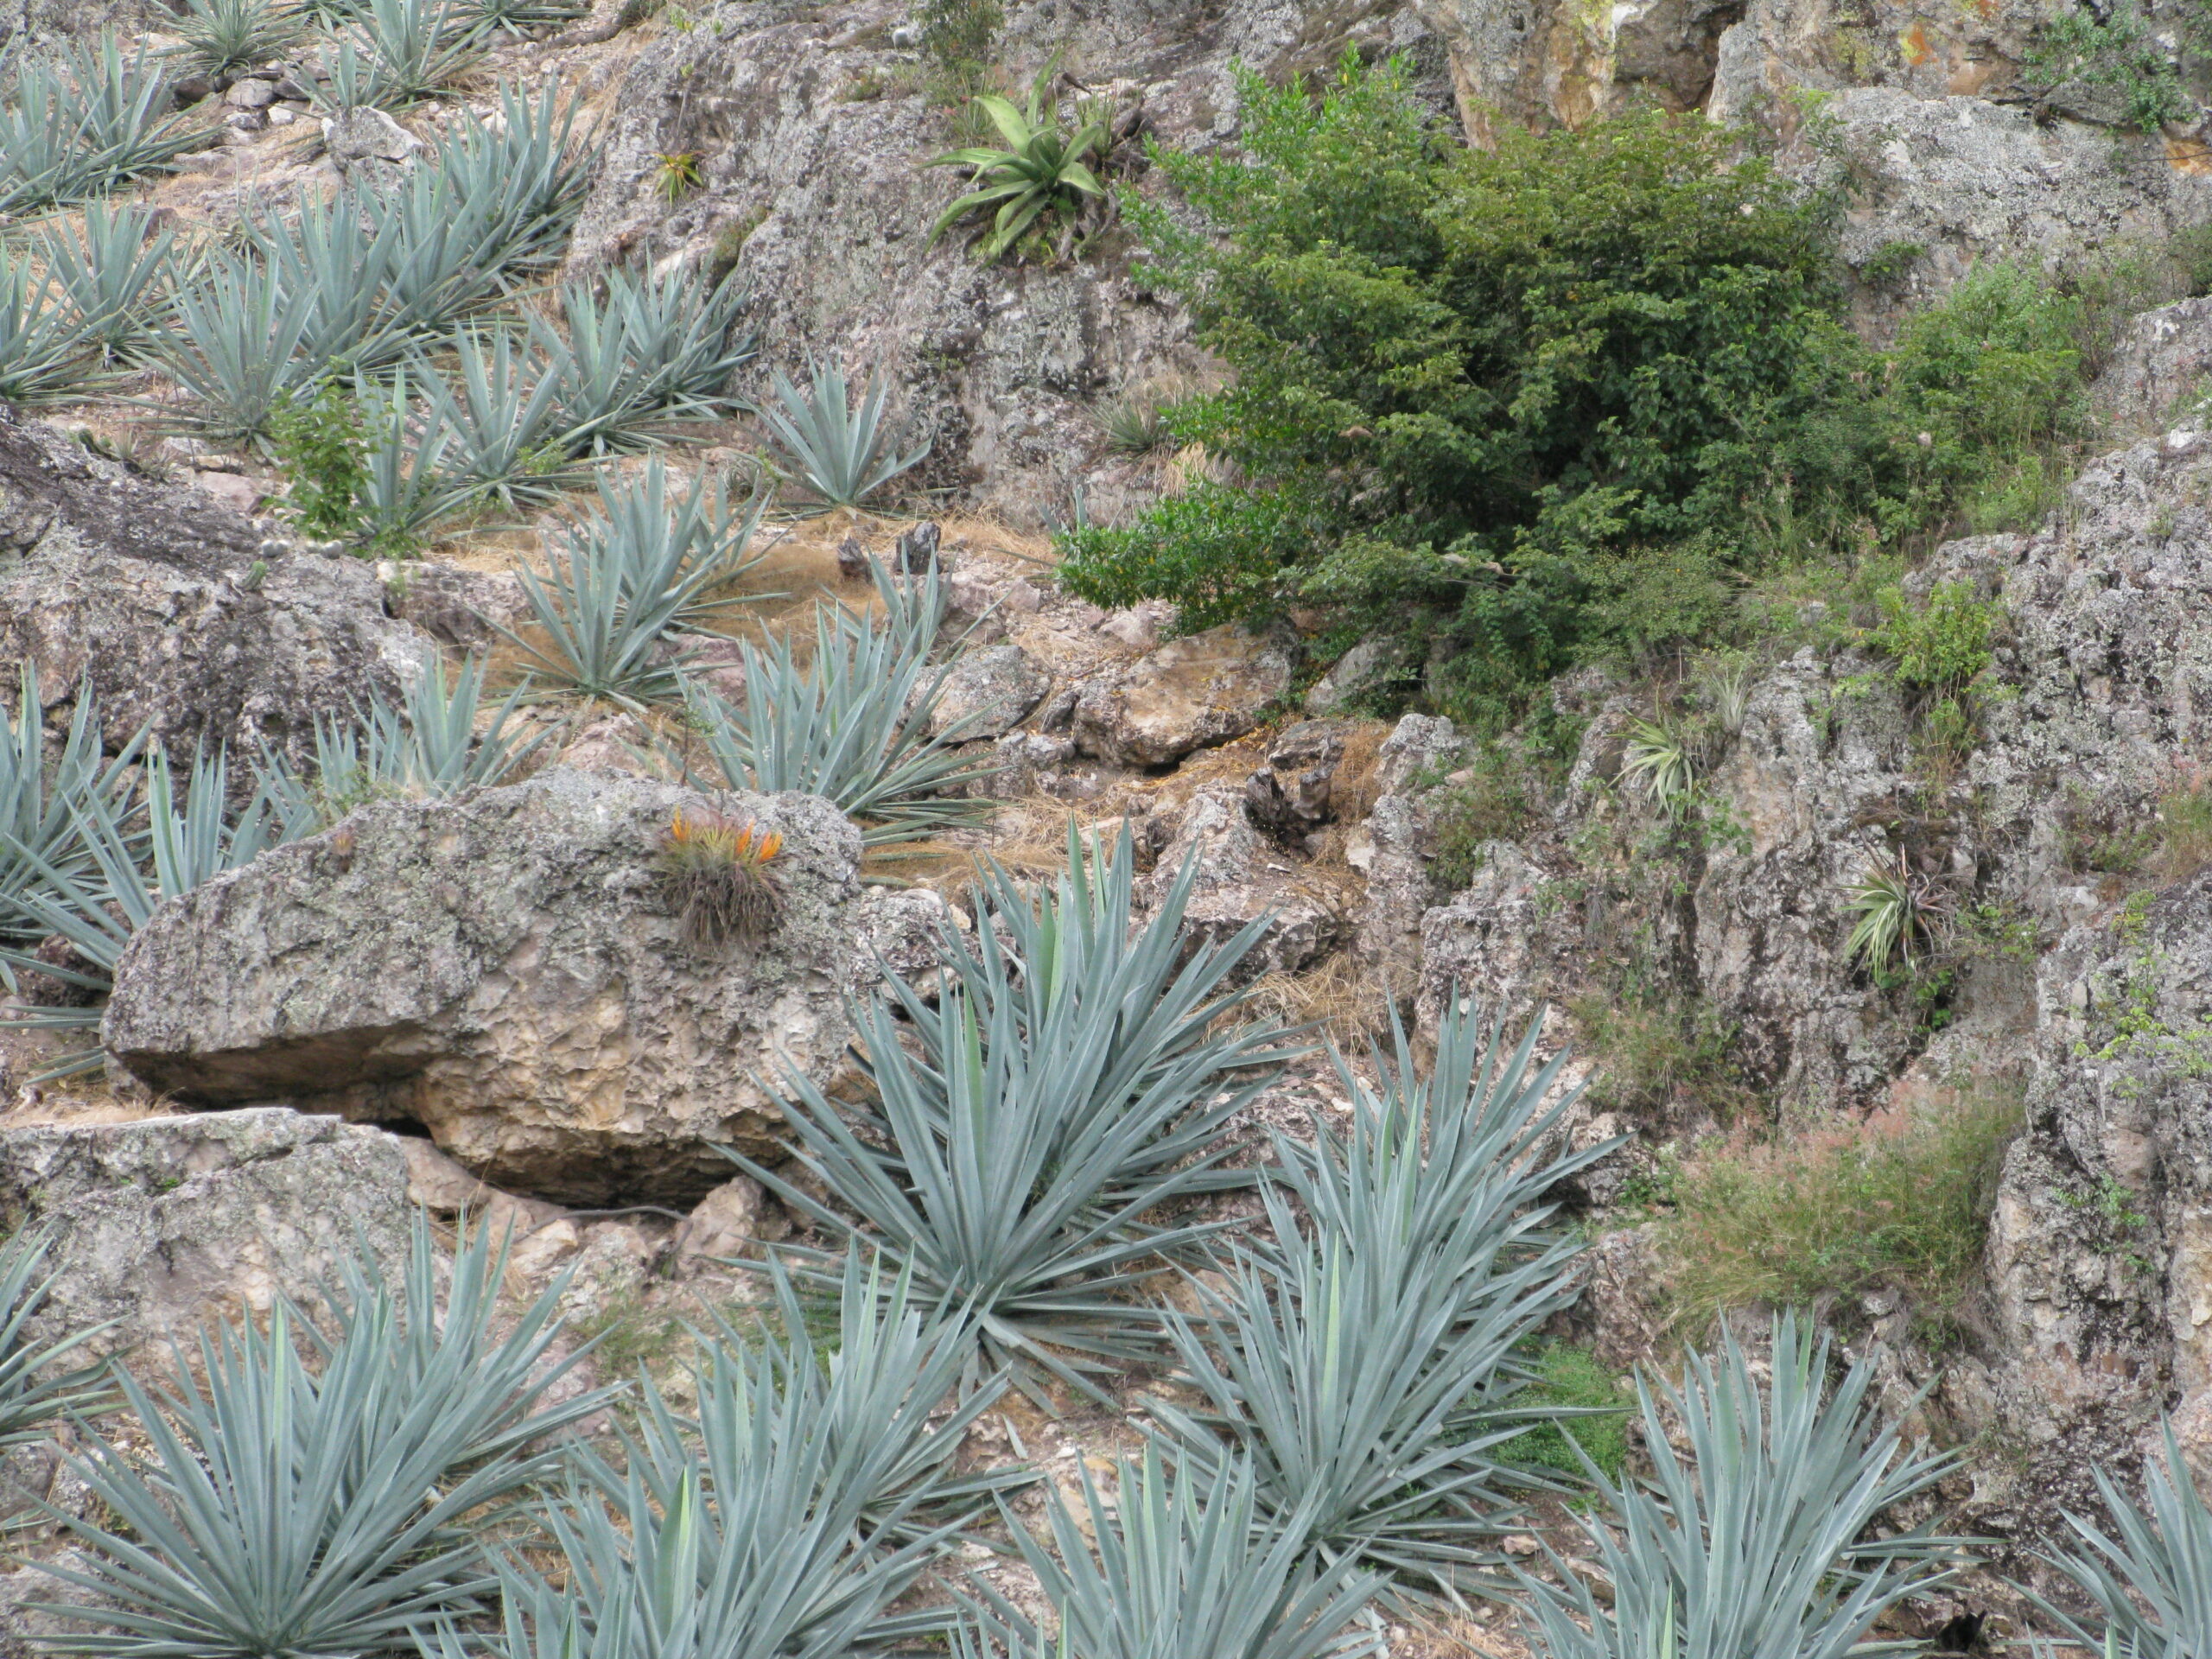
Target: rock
149, 593
167, 1223
1190, 694
360, 135
447, 1191
1025, 759
989, 692
505, 970
1242, 880
456, 607
916, 552
1482, 944
617, 743
251, 94
2156, 375
1289, 796
1139, 626
1420, 751
734, 1220
232, 490
1365, 667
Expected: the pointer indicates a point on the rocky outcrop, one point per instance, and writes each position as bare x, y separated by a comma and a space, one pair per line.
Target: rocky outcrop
1189, 694
164, 1224
988, 692
2157, 375
1241, 880
179, 614
507, 970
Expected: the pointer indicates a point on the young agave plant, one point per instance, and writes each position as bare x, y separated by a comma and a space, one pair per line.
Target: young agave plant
413, 49
1042, 170
841, 451
1755, 1535
655, 351
1036, 1121
32, 1393
781, 1521
48, 353
1368, 1373
113, 274
235, 339
630, 575
40, 804
224, 34
429, 745
2150, 1578
1186, 1566
276, 1510
853, 724
405, 494
81, 120
512, 443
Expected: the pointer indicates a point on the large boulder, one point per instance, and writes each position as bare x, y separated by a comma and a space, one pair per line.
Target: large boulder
181, 615
1192, 693
163, 1224
508, 970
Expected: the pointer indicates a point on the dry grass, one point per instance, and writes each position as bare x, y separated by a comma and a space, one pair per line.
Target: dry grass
1337, 999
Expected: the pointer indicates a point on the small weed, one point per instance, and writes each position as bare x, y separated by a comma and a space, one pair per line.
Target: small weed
1570, 1376
1901, 1204
1652, 1057
322, 450
2185, 830
677, 175
1940, 654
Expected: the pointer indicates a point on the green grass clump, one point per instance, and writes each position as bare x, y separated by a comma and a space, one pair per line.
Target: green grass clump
1902, 1205
1570, 1378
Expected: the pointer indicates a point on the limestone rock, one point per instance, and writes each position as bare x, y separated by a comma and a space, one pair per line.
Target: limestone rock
1484, 944
144, 591
361, 134
454, 606
1289, 796
165, 1224
1190, 694
2158, 368
1241, 880
1365, 667
734, 1220
505, 970
989, 692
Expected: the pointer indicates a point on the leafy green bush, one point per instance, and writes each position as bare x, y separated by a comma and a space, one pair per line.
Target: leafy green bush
1899, 1206
1551, 400
2117, 50
322, 450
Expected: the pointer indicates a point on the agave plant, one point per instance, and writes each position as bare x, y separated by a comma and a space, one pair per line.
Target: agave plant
1368, 1373
1188, 1567
522, 17
510, 440
428, 746
513, 189
1898, 913
2150, 1580
281, 1510
1755, 1535
234, 342
783, 1520
80, 122
224, 34
1042, 170
113, 274
95, 895
47, 353
1658, 760
854, 723
840, 451
39, 804
413, 49
656, 351
32, 1394
629, 576
1073, 1078
340, 257
404, 493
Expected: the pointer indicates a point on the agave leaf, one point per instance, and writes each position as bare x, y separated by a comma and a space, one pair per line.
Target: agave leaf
842, 451
2149, 1578
30, 1401
1018, 134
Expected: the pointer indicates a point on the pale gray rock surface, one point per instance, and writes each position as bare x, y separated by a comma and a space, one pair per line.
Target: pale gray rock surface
505, 970
164, 1224
1192, 693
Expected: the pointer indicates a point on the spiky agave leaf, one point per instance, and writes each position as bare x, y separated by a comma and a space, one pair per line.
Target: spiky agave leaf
1186, 1566
655, 351
1754, 1538
32, 1394
783, 1520
413, 49
513, 189
852, 721
47, 352
112, 273
522, 17
405, 494
1368, 1372
512, 442
1075, 1077
282, 1510
82, 120
1042, 170
224, 34
628, 577
2149, 1578
234, 340
100, 889
39, 803
842, 451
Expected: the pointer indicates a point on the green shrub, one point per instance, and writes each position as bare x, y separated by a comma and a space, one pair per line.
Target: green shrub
2119, 51
1554, 400
1902, 1205
323, 449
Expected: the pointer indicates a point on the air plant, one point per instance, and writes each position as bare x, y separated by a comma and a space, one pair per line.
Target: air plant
1898, 913
677, 175
1042, 170
716, 871
1656, 758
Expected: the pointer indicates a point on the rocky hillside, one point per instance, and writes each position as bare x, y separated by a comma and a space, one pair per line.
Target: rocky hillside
878, 898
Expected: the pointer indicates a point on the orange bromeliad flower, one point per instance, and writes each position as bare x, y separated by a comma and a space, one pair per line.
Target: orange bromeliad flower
711, 834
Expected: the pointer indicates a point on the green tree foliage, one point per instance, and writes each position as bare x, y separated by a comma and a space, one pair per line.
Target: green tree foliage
1548, 401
